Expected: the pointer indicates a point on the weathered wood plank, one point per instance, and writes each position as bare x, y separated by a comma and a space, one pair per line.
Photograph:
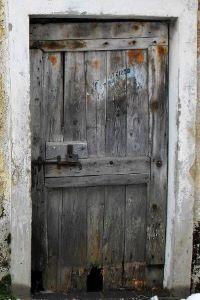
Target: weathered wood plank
52, 119
74, 239
97, 45
74, 98
115, 179
53, 149
38, 149
135, 235
96, 102
116, 105
113, 240
157, 205
98, 30
95, 216
54, 210
53, 97
137, 103
101, 166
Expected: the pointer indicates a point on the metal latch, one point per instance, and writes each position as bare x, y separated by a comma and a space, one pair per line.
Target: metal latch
71, 159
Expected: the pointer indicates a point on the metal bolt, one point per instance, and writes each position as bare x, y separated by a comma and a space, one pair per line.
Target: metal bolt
159, 163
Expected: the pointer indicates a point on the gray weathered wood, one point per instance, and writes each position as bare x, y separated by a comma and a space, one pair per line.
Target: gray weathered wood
157, 197
98, 30
113, 239
135, 235
54, 209
112, 106
53, 97
53, 149
37, 142
95, 220
97, 45
115, 179
74, 239
137, 103
96, 102
74, 97
116, 105
101, 166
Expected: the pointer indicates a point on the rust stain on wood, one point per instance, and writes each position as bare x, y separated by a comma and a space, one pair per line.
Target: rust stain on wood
162, 51
95, 64
71, 44
135, 56
138, 285
135, 27
154, 106
53, 59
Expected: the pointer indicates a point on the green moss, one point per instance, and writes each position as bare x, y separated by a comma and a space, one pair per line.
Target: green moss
5, 288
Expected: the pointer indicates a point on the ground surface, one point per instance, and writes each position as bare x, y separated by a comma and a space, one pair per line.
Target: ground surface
97, 296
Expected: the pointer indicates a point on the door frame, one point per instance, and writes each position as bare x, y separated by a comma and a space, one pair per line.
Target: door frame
182, 20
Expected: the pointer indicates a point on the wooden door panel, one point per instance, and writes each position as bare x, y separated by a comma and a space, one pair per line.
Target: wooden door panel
107, 97
96, 86
116, 104
74, 97
137, 103
156, 211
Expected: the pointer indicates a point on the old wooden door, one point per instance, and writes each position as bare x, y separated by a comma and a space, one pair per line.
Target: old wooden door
99, 111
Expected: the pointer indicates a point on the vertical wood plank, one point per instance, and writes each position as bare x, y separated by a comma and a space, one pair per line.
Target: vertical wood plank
38, 149
95, 214
74, 98
157, 206
113, 240
52, 120
135, 236
137, 103
54, 209
74, 239
95, 101
116, 105
53, 96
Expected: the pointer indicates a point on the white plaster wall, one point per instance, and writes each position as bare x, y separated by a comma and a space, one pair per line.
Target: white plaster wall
4, 145
182, 98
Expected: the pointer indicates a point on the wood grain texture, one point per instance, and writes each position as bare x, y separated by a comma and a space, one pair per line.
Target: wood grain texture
113, 240
115, 179
97, 45
95, 221
101, 166
74, 98
116, 105
157, 197
137, 103
54, 210
74, 239
96, 73
53, 149
135, 235
112, 106
98, 30
53, 97
38, 149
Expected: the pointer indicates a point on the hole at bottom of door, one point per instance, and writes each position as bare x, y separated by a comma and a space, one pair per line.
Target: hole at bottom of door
36, 282
95, 280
